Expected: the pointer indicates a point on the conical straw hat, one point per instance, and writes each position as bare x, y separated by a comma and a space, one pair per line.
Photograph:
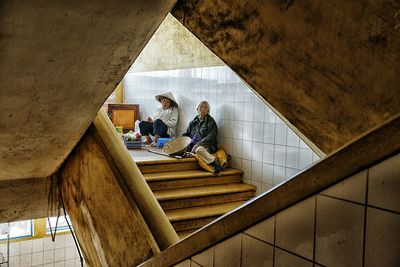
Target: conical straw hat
168, 95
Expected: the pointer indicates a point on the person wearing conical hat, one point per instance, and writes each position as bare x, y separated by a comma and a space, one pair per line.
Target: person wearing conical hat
163, 123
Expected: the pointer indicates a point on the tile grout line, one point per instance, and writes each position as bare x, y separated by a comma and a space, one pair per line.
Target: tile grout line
315, 228
241, 249
343, 199
356, 203
213, 256
365, 218
294, 254
274, 245
383, 209
273, 170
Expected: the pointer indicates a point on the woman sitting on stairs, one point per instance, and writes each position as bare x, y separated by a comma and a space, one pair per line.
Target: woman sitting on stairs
203, 130
164, 120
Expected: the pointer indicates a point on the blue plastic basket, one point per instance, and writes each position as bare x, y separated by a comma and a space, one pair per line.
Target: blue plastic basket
162, 141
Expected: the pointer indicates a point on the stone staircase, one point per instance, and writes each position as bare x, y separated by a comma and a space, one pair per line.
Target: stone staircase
192, 197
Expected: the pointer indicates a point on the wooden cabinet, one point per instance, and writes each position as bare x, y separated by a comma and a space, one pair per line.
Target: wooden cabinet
124, 115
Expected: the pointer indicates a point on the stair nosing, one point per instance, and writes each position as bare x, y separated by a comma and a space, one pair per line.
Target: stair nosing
177, 175
200, 193
164, 161
197, 215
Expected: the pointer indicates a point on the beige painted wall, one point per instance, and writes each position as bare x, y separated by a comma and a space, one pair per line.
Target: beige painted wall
171, 38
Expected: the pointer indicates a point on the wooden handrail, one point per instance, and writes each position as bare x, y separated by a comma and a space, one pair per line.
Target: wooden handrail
374, 146
157, 221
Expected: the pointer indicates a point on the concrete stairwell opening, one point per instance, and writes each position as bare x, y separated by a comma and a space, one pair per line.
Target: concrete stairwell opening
262, 144
265, 150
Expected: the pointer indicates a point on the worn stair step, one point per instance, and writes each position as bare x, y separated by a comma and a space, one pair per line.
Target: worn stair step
206, 200
197, 217
191, 178
192, 225
168, 165
199, 191
204, 195
201, 212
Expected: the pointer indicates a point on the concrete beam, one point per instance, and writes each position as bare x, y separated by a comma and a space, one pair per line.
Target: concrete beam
330, 67
24, 199
132, 181
60, 60
108, 224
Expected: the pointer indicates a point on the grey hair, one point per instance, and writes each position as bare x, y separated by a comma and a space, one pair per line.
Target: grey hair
201, 103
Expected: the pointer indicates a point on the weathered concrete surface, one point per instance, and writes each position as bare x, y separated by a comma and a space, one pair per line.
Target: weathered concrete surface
24, 199
59, 61
174, 47
110, 228
332, 68
132, 181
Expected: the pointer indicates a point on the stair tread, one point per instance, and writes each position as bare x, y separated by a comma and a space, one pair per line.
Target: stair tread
172, 175
201, 212
189, 192
164, 161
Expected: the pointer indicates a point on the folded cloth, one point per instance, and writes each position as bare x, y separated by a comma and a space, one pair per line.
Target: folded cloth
221, 158
195, 139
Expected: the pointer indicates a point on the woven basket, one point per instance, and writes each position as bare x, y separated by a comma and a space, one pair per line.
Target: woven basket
177, 146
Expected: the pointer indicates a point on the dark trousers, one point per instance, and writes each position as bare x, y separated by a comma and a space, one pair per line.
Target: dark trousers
158, 127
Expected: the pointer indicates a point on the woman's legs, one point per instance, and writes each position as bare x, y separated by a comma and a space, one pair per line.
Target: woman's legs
204, 155
160, 129
146, 128
208, 158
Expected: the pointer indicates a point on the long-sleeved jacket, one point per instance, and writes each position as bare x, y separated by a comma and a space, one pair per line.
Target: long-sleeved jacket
169, 117
208, 131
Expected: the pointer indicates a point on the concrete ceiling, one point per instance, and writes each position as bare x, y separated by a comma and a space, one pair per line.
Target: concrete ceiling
330, 67
59, 61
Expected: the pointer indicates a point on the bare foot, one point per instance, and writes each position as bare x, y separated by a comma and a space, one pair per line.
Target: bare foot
148, 140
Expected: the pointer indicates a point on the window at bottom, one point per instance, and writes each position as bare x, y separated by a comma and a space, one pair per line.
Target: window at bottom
62, 225
16, 229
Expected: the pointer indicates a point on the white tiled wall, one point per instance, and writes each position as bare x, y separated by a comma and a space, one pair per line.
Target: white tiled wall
353, 223
261, 144
44, 252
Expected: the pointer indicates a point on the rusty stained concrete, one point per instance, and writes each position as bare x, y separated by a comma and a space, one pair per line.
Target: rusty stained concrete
331, 68
109, 226
59, 61
26, 199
